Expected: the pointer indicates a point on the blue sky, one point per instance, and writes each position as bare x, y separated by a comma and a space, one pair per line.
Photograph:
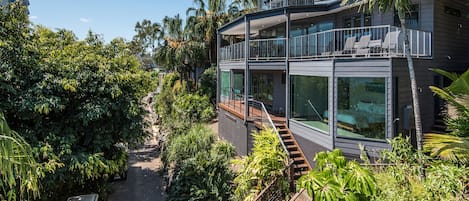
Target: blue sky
111, 18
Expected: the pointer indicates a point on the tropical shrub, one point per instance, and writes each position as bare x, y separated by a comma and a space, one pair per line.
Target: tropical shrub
71, 100
208, 83
20, 173
335, 178
193, 108
455, 145
401, 180
182, 147
266, 162
206, 176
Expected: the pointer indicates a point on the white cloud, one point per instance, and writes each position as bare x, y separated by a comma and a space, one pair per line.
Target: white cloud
33, 17
85, 20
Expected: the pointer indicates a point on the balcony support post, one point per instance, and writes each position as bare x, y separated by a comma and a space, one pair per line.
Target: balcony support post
287, 67
218, 67
247, 85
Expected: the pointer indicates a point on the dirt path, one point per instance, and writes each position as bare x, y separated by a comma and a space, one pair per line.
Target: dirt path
143, 180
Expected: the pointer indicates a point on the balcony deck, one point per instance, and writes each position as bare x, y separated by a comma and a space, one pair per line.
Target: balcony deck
364, 42
237, 107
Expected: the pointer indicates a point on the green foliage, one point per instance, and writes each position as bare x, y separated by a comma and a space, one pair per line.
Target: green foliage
202, 169
455, 146
20, 173
266, 162
71, 100
334, 178
401, 179
208, 83
182, 147
193, 108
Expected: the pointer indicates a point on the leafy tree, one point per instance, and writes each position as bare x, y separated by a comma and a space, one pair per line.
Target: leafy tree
70, 99
335, 178
455, 145
266, 163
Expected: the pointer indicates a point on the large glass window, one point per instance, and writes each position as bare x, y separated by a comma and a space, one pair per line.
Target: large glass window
262, 88
310, 100
361, 109
225, 84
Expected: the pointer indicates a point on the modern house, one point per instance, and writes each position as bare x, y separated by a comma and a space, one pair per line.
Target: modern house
327, 75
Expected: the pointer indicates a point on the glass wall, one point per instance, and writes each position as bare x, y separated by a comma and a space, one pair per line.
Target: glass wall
262, 87
238, 85
310, 100
361, 107
225, 85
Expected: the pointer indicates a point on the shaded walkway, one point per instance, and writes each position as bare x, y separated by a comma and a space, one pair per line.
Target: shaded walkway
143, 181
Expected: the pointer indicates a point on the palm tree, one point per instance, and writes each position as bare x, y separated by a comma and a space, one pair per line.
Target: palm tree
144, 43
178, 51
240, 7
18, 169
203, 22
402, 6
455, 145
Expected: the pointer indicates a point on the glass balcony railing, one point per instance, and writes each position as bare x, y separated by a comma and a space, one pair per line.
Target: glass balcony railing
374, 41
272, 4
266, 49
234, 52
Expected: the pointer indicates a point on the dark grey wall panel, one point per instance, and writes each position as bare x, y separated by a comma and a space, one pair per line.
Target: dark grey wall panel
309, 148
311, 134
450, 36
233, 130
424, 79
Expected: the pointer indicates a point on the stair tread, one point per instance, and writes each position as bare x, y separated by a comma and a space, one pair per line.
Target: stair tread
295, 152
301, 173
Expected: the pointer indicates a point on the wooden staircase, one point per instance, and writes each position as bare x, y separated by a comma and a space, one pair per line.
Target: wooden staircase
301, 165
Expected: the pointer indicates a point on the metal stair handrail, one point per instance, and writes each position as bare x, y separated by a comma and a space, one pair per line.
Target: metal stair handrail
269, 121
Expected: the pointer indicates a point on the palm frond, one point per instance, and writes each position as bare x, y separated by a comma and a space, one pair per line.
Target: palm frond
448, 147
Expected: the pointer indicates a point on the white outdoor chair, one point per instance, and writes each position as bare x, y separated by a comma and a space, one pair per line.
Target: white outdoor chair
390, 41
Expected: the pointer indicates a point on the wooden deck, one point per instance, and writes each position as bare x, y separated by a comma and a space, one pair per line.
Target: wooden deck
237, 108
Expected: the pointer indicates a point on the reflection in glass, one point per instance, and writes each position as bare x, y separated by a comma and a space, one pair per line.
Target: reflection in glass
361, 107
310, 100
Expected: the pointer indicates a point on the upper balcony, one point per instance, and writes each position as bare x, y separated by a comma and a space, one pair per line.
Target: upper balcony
273, 4
365, 42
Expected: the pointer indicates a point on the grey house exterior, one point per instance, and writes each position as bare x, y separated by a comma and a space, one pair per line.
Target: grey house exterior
338, 77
